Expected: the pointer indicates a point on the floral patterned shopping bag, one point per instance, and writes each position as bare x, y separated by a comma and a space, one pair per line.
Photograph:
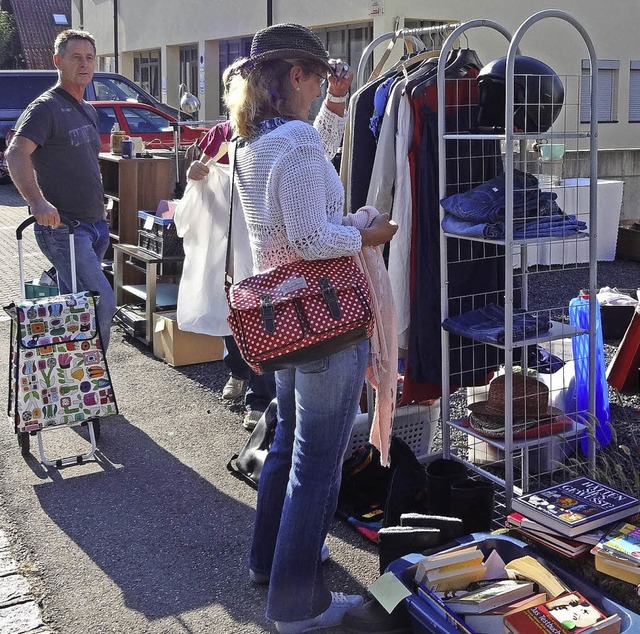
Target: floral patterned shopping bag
59, 374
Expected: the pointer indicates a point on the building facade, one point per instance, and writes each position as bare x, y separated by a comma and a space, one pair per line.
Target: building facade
162, 44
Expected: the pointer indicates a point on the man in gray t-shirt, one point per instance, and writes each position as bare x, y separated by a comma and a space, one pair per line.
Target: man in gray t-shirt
53, 161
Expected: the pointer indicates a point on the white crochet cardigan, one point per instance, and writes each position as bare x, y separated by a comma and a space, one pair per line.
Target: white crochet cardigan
291, 194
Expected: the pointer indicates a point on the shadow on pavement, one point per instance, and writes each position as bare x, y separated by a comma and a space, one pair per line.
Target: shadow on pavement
169, 539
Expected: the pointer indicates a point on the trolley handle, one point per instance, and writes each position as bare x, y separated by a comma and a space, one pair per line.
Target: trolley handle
72, 251
31, 220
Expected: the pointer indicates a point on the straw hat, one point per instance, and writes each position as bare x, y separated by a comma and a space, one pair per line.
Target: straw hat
530, 403
286, 41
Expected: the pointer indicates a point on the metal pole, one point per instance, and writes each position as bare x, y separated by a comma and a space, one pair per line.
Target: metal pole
269, 12
115, 34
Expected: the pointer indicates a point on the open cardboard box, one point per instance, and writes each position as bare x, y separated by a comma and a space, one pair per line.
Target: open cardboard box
178, 347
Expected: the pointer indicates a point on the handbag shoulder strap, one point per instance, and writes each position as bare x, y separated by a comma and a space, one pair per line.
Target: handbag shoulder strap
59, 90
233, 148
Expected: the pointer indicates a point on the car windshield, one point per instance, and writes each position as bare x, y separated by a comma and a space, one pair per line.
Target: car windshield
143, 121
113, 90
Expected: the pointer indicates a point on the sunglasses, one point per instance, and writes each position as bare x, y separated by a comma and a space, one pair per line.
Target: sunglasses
323, 79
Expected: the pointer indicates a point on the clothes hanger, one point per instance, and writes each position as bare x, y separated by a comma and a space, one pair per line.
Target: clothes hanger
416, 59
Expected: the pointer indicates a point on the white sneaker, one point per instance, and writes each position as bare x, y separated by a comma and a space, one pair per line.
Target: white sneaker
332, 616
233, 389
251, 419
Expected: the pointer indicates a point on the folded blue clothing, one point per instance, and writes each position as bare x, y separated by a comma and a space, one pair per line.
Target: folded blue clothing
488, 324
552, 226
555, 225
487, 202
451, 224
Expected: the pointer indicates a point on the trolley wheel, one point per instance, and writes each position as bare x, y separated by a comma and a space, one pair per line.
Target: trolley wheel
24, 442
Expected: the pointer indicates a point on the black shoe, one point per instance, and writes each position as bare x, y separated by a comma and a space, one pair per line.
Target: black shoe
372, 618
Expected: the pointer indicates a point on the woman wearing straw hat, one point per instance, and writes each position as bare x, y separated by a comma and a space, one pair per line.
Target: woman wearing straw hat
293, 201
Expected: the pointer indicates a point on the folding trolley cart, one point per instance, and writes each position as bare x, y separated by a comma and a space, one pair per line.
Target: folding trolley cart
58, 371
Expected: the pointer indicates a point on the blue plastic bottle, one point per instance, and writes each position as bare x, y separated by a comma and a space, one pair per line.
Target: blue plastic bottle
579, 317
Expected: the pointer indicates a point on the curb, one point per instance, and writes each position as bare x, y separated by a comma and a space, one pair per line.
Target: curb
19, 611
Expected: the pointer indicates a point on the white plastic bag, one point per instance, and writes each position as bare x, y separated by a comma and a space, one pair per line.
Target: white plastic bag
202, 219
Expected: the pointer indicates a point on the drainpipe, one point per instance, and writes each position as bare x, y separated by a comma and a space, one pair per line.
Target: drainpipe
81, 12
269, 12
115, 34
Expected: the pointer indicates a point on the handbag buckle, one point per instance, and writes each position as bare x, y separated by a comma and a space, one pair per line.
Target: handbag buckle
268, 314
330, 297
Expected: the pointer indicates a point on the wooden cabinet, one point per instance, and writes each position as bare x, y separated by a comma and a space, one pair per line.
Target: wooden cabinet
131, 185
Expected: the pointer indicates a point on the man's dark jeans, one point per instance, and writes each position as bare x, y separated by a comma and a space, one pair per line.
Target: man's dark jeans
261, 388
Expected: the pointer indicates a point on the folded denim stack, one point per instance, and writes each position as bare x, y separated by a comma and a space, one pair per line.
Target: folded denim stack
488, 324
480, 212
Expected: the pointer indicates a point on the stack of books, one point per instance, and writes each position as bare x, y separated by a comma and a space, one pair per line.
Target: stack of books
618, 553
572, 517
452, 570
527, 598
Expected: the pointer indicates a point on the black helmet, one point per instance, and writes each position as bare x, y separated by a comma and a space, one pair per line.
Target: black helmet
538, 94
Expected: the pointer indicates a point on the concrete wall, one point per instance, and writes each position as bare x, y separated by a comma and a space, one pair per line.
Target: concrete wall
622, 165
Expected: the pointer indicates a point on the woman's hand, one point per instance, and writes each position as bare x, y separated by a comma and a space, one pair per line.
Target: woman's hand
340, 82
197, 171
380, 231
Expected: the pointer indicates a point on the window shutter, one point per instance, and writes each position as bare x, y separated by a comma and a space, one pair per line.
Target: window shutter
634, 92
606, 99
585, 92
605, 94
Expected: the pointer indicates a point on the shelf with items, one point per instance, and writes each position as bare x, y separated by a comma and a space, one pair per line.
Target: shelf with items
132, 185
509, 220
155, 292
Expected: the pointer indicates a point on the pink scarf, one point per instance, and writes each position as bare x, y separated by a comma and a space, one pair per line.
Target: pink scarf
382, 372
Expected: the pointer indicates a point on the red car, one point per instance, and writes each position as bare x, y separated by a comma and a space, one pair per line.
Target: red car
138, 119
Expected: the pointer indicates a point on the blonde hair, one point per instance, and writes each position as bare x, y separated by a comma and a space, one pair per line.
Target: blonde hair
261, 93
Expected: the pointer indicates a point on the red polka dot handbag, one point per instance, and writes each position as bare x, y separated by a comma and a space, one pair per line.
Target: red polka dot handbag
299, 312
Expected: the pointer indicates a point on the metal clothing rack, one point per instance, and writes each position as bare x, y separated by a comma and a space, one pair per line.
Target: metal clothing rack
459, 441
410, 420
411, 34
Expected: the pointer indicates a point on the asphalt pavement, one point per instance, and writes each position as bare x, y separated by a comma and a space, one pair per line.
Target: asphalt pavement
152, 536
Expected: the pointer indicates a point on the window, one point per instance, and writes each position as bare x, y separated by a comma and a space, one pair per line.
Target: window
106, 119
607, 98
189, 68
346, 43
146, 71
60, 19
634, 91
229, 51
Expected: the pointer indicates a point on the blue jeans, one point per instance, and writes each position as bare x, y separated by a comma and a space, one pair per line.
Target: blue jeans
486, 202
300, 480
261, 388
488, 324
91, 242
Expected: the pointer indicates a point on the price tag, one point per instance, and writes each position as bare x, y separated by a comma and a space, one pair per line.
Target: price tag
148, 223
